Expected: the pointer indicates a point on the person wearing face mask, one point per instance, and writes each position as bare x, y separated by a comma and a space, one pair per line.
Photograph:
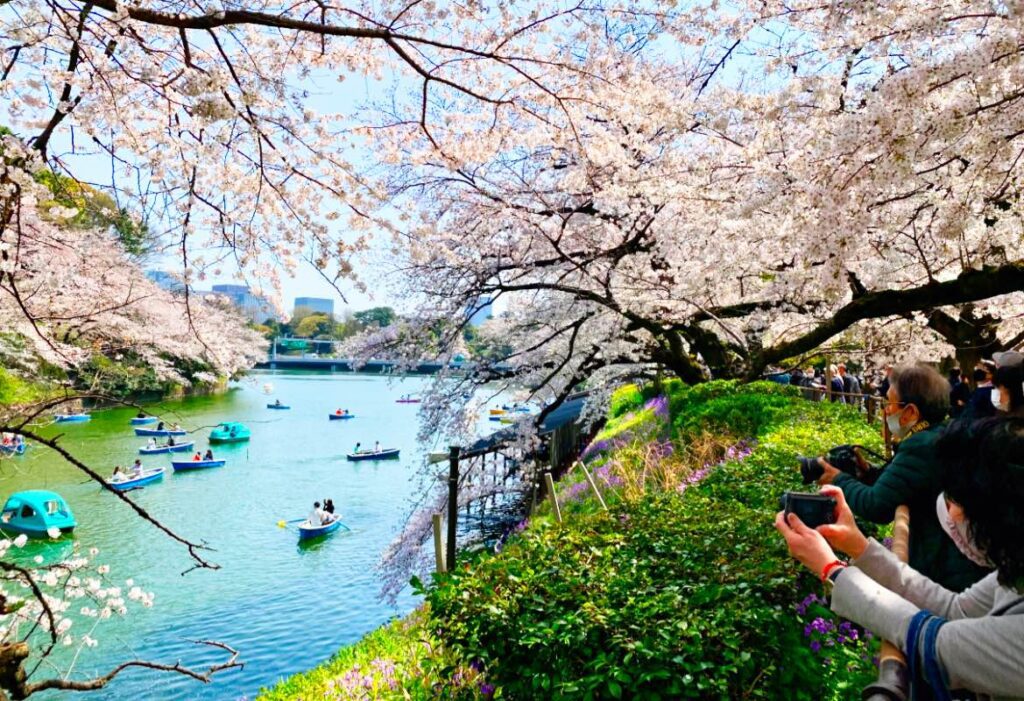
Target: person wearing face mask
1008, 383
980, 404
916, 405
972, 641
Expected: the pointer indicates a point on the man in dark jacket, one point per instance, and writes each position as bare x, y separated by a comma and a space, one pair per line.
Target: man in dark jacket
959, 394
917, 404
980, 404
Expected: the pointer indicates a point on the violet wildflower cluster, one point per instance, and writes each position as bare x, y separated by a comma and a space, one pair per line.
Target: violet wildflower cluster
658, 405
738, 451
830, 639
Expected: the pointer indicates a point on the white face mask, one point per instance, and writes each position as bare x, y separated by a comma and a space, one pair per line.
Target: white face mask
960, 534
997, 400
893, 421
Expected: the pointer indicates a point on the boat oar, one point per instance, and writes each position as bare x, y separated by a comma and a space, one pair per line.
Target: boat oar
282, 524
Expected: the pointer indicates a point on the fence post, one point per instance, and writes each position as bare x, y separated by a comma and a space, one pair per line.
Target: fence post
438, 543
893, 682
453, 504
593, 485
550, 482
828, 379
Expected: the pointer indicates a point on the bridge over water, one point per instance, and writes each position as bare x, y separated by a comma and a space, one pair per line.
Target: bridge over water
322, 359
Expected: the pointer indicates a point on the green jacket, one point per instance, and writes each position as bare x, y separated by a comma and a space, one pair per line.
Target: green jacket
913, 477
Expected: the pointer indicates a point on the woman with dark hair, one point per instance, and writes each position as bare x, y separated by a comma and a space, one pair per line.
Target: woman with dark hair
973, 640
1008, 390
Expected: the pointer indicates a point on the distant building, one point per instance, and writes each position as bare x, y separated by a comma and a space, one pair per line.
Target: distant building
313, 305
480, 310
166, 280
253, 307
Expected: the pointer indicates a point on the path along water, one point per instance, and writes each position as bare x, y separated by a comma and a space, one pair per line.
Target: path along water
285, 607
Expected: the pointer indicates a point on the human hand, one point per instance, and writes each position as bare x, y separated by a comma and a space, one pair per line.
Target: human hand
805, 544
829, 472
843, 534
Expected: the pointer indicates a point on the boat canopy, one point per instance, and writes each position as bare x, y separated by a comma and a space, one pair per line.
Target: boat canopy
35, 511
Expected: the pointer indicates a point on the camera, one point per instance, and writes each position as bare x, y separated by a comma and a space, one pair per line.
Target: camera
846, 458
813, 509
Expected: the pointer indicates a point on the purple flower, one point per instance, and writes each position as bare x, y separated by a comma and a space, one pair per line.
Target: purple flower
815, 646
487, 690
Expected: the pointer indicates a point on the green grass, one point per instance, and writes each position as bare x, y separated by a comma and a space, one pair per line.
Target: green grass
672, 593
19, 391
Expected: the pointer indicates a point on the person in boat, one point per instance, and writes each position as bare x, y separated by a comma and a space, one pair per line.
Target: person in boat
7, 439
197, 457
175, 427
337, 412
345, 413
160, 426
277, 402
141, 414
316, 516
329, 506
137, 468
356, 449
119, 474
170, 442
151, 443
209, 455
376, 447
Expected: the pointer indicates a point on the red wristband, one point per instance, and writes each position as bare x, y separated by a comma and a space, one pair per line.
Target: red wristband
831, 566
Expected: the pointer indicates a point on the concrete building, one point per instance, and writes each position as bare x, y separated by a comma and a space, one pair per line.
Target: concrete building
166, 280
253, 307
313, 305
480, 310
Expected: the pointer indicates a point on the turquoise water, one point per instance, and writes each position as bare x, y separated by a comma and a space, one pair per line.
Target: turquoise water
285, 607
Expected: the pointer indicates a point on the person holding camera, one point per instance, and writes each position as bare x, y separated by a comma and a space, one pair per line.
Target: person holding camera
972, 641
917, 403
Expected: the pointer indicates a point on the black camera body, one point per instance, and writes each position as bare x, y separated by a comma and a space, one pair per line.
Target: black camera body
813, 509
846, 458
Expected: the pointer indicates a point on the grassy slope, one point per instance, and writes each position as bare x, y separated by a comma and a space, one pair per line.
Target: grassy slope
672, 593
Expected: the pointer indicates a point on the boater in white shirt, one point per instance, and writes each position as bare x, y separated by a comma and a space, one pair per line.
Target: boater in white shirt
316, 516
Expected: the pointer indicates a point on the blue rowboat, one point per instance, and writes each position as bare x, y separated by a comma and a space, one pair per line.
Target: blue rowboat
278, 406
386, 454
306, 531
176, 448
160, 432
181, 465
15, 449
339, 417
35, 512
71, 418
143, 420
147, 477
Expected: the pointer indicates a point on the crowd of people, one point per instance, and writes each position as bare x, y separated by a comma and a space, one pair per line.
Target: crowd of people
956, 609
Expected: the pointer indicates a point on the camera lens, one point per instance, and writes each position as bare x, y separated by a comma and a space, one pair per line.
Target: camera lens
810, 470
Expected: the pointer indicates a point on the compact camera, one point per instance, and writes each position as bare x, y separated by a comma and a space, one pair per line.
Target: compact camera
813, 509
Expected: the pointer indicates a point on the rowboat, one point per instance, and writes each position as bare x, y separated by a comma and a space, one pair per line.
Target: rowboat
143, 420
230, 432
495, 418
181, 465
176, 448
339, 417
497, 412
410, 400
71, 418
13, 449
160, 432
147, 477
37, 513
306, 531
278, 406
386, 454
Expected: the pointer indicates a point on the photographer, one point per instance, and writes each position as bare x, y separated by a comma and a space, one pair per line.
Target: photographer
917, 403
975, 640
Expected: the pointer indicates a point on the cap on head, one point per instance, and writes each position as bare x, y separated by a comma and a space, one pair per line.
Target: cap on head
1008, 359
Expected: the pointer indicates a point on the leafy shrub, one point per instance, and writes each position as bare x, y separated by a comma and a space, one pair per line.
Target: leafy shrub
625, 399
669, 595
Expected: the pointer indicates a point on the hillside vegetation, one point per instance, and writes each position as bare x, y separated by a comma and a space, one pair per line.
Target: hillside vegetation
681, 589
